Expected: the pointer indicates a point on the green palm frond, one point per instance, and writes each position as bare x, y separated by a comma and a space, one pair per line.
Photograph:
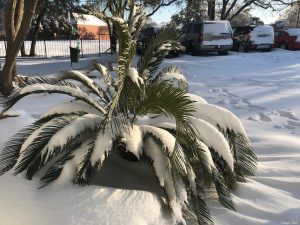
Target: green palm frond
159, 47
54, 171
86, 171
162, 98
198, 212
47, 88
222, 190
11, 150
245, 157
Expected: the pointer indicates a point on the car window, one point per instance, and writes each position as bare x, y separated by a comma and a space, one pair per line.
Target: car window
197, 28
189, 28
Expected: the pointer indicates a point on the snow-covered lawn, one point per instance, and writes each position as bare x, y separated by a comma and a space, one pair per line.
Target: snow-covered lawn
262, 89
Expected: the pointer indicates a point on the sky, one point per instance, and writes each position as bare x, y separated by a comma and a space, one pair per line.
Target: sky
164, 14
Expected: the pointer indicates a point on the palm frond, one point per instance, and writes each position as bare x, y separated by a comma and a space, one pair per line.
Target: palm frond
109, 81
11, 150
54, 171
46, 88
97, 150
137, 20
65, 140
197, 211
245, 157
172, 75
166, 99
60, 79
222, 190
230, 126
40, 140
159, 47
78, 107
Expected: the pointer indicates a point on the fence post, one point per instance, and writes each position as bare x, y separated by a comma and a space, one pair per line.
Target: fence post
99, 44
81, 47
5, 45
45, 48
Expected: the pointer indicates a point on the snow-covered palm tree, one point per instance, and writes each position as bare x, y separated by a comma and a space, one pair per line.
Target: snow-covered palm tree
142, 114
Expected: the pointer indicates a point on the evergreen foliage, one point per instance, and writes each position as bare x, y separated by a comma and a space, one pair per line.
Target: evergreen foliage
142, 114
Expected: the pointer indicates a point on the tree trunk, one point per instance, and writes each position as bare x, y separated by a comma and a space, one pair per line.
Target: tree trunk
114, 38
19, 14
23, 51
211, 12
39, 20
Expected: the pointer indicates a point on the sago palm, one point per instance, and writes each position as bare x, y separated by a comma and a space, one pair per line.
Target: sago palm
142, 114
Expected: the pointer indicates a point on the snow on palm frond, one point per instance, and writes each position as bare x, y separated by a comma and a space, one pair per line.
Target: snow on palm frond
47, 88
58, 79
218, 143
69, 108
159, 47
196, 98
135, 78
137, 20
173, 75
234, 132
37, 140
104, 72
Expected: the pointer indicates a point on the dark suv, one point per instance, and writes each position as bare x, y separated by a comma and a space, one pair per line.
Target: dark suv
208, 36
145, 37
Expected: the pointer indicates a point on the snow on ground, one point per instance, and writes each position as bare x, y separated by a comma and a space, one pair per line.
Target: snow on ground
262, 89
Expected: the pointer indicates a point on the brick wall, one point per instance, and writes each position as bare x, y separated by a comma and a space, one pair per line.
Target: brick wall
93, 32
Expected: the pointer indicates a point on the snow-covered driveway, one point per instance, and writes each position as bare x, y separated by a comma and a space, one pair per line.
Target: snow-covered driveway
262, 89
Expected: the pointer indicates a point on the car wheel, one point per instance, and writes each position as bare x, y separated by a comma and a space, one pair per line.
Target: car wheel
191, 50
283, 45
223, 53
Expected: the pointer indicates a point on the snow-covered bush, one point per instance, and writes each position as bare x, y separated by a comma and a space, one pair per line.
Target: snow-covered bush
141, 113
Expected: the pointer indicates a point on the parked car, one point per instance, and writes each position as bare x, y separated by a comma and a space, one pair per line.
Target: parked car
287, 39
252, 37
207, 36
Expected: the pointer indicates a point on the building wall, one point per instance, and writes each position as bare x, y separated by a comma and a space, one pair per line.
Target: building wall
93, 32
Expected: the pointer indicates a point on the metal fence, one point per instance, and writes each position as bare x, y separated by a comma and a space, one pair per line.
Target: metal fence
60, 48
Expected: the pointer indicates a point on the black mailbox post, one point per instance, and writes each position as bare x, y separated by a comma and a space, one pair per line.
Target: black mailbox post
74, 54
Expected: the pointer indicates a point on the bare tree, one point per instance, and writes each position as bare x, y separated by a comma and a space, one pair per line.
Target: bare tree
292, 15
229, 9
19, 14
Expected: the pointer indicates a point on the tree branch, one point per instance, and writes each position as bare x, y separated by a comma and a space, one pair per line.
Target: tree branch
159, 6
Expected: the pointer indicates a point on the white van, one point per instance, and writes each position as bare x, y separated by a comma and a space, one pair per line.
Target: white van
208, 36
252, 37
262, 37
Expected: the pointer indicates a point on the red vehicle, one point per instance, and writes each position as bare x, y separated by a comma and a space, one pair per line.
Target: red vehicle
287, 39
